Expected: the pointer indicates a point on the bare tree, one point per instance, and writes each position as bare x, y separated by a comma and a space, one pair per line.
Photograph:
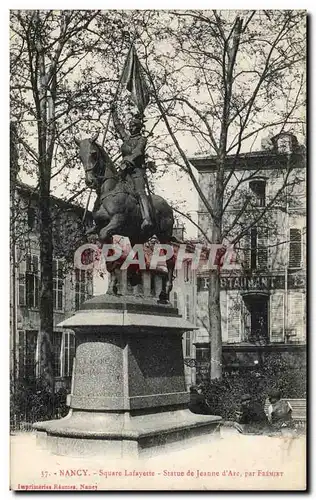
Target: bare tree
56, 91
220, 79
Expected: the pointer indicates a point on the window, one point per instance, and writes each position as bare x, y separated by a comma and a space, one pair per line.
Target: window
284, 143
57, 338
83, 286
258, 188
27, 354
32, 280
258, 248
58, 284
206, 282
175, 300
69, 353
295, 253
187, 339
255, 318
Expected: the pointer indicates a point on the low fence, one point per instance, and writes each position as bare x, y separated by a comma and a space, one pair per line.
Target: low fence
298, 406
26, 409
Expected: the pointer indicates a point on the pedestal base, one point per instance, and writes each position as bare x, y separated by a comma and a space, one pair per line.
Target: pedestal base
128, 395
123, 436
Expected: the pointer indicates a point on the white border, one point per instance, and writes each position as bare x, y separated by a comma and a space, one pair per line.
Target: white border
4, 196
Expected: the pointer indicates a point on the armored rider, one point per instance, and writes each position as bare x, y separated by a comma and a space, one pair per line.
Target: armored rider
133, 163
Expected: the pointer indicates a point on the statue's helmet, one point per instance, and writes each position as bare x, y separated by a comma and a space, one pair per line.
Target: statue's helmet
136, 121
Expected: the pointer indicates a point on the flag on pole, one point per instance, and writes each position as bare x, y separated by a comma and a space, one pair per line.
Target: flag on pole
134, 80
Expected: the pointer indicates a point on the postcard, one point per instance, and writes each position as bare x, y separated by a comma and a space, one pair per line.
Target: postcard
158, 250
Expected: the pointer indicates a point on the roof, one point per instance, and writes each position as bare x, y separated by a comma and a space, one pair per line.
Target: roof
255, 159
32, 191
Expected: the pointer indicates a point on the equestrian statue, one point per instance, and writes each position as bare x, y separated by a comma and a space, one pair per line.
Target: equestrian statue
123, 207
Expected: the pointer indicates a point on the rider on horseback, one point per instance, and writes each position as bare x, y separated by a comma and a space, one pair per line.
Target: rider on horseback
133, 164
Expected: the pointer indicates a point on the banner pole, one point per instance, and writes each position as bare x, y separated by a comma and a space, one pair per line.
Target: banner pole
110, 114
87, 205
117, 90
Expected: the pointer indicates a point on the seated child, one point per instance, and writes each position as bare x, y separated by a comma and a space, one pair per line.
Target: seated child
250, 418
279, 411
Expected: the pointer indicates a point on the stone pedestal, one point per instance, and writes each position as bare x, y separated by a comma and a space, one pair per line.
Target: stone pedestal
128, 396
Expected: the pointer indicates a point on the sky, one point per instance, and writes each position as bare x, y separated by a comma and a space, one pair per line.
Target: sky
172, 186
187, 195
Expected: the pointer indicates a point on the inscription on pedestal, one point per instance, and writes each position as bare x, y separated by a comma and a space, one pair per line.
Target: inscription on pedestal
91, 367
99, 368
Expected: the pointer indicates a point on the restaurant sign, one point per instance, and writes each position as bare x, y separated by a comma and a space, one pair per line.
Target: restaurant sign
255, 283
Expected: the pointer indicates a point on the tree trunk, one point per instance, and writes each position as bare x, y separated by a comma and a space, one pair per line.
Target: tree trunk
46, 243
214, 311
214, 307
14, 168
46, 292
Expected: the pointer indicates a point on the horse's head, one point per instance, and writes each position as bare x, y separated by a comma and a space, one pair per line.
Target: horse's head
91, 156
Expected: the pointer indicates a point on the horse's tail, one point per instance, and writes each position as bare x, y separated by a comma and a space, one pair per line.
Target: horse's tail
153, 211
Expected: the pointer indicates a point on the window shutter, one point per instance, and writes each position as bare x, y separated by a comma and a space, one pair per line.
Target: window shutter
58, 284
57, 342
296, 305
22, 280
35, 263
246, 244
262, 252
253, 248
277, 317
233, 317
295, 253
245, 322
29, 263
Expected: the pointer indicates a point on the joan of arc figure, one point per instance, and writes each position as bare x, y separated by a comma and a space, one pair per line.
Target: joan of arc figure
133, 161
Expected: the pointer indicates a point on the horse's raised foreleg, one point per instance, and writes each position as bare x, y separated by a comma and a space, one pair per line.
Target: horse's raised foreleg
106, 233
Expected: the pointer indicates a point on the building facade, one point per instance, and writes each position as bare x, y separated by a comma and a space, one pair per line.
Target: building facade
184, 297
263, 299
71, 287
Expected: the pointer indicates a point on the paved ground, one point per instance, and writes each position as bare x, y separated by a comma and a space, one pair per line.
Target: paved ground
230, 461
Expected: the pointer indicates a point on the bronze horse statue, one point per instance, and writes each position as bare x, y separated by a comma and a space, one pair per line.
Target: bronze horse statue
116, 210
